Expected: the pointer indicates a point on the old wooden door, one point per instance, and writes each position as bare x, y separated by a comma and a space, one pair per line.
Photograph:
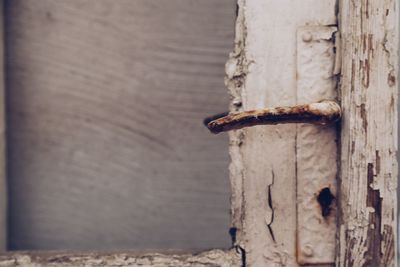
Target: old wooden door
293, 204
282, 176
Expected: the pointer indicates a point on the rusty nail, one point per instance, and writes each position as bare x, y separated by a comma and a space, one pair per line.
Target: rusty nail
323, 112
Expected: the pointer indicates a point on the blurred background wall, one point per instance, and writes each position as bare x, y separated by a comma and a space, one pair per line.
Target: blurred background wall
105, 102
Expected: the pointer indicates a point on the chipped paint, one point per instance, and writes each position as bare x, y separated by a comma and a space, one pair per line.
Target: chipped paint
265, 155
369, 91
218, 258
236, 70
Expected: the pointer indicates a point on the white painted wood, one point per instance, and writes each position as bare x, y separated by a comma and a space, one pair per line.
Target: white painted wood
369, 91
316, 149
261, 72
216, 258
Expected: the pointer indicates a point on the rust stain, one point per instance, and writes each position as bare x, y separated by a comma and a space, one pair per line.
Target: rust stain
319, 113
373, 254
214, 117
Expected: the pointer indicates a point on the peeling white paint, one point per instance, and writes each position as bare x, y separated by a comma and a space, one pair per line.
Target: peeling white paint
266, 37
369, 92
217, 258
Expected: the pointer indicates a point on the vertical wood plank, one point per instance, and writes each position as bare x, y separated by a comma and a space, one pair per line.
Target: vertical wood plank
261, 72
369, 88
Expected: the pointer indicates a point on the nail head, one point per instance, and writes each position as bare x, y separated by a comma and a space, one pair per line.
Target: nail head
307, 37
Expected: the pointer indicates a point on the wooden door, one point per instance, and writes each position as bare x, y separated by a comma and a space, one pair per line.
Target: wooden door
272, 66
286, 53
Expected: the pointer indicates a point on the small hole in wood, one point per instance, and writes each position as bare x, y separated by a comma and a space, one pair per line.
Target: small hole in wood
325, 199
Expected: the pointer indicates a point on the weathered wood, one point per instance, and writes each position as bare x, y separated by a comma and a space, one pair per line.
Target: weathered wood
261, 72
369, 88
214, 258
105, 104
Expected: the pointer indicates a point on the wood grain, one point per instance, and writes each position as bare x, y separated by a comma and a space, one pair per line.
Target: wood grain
369, 93
105, 105
215, 258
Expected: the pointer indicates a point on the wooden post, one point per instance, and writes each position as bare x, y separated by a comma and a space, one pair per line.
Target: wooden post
368, 177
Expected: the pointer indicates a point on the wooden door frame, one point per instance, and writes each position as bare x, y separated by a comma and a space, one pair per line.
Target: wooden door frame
367, 197
369, 92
